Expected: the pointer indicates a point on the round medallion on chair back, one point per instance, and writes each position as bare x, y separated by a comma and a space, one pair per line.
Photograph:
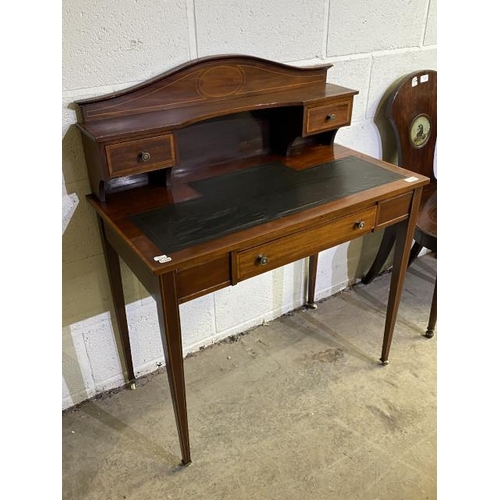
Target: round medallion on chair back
412, 111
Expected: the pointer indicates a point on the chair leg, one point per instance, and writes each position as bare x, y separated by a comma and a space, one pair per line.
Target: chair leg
415, 250
311, 287
383, 252
433, 315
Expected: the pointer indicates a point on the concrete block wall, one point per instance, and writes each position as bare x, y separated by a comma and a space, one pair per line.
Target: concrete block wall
112, 45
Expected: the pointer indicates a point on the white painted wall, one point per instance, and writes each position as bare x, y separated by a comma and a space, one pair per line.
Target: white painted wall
112, 45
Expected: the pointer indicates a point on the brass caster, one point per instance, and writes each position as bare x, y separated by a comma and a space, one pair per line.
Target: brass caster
312, 306
429, 334
384, 363
132, 386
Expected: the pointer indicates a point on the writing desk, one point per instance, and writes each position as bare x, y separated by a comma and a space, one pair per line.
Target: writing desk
223, 169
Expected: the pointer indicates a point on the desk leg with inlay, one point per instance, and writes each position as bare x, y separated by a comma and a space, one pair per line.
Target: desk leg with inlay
404, 238
170, 327
115, 281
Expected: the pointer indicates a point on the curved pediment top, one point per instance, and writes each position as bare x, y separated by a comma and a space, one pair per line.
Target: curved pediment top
205, 80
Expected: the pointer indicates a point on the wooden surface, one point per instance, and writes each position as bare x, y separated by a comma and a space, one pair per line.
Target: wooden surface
411, 109
132, 157
243, 105
121, 206
426, 225
265, 193
223, 123
416, 95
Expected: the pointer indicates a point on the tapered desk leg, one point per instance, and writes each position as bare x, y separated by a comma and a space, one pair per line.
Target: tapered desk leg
170, 327
404, 238
311, 281
115, 281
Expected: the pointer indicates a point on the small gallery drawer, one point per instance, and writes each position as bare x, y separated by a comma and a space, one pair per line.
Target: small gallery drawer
393, 210
141, 155
298, 245
327, 116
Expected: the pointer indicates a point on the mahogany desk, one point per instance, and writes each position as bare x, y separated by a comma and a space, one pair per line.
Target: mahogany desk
223, 169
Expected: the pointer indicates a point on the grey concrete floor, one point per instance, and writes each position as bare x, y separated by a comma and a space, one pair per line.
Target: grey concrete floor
299, 408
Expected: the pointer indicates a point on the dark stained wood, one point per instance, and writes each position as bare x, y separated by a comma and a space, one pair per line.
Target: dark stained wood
266, 193
204, 80
311, 281
386, 245
407, 102
426, 230
393, 210
426, 236
412, 100
415, 99
404, 237
414, 252
286, 249
170, 327
221, 140
115, 281
238, 92
433, 315
228, 115
157, 122
327, 115
95, 157
131, 157
131, 257
205, 278
120, 206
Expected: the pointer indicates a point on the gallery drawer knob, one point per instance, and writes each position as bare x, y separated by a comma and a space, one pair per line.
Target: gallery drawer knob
330, 118
262, 260
360, 224
144, 156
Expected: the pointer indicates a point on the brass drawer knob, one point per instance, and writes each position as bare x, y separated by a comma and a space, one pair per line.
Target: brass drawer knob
330, 118
262, 260
360, 224
144, 156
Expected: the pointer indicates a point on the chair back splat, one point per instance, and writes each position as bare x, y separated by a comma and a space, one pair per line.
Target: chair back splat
412, 111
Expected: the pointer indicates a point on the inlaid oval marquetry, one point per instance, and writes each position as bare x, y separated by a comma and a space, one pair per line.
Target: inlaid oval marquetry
220, 81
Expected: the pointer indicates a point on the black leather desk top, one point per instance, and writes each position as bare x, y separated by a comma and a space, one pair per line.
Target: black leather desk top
247, 198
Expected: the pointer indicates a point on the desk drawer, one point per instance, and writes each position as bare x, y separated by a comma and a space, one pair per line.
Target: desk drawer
327, 116
394, 210
141, 155
205, 278
296, 246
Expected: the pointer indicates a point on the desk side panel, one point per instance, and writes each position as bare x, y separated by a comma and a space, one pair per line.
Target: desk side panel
136, 265
204, 278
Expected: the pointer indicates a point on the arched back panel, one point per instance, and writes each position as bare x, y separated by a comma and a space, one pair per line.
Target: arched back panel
412, 112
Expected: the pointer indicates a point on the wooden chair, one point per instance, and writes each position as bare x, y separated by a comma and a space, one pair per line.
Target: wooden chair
411, 109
